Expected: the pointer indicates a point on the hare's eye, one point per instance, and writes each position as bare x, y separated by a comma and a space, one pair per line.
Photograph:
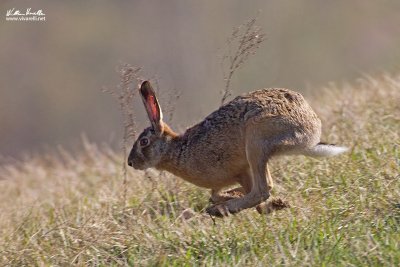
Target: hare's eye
144, 142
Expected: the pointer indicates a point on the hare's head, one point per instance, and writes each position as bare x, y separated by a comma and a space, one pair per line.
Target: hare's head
148, 149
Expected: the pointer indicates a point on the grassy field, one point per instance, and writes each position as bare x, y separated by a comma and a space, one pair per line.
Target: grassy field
61, 209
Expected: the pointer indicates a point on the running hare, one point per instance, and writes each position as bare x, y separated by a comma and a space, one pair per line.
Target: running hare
232, 145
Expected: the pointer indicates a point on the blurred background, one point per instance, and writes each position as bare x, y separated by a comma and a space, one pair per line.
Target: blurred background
52, 72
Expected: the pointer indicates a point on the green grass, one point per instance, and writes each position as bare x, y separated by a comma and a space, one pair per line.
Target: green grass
62, 209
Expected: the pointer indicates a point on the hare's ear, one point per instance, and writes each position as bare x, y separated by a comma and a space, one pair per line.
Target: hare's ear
152, 107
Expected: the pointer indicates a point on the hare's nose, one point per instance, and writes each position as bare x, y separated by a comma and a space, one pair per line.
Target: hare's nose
130, 163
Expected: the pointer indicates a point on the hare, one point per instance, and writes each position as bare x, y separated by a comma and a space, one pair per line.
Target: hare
232, 145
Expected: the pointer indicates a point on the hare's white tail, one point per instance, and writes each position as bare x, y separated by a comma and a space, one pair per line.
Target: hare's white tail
325, 150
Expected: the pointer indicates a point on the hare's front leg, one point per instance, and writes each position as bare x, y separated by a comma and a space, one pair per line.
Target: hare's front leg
257, 156
218, 197
244, 179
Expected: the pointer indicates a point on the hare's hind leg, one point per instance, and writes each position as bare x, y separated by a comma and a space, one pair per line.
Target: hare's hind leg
257, 155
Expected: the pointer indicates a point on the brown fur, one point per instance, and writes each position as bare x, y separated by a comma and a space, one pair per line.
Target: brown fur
233, 145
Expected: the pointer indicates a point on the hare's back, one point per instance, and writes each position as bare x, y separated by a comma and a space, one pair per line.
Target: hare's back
283, 108
274, 102
278, 103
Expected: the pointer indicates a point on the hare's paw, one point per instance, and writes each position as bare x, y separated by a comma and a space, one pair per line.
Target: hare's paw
218, 210
272, 205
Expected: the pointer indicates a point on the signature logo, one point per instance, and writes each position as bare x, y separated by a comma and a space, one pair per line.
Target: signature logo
25, 15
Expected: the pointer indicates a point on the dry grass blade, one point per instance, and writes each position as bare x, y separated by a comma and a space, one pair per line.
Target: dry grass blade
170, 107
243, 42
124, 93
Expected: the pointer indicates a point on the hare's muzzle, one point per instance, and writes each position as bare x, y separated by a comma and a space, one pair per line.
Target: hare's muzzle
131, 161
135, 162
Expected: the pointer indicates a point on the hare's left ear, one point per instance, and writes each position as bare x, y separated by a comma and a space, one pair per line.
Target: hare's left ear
152, 107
